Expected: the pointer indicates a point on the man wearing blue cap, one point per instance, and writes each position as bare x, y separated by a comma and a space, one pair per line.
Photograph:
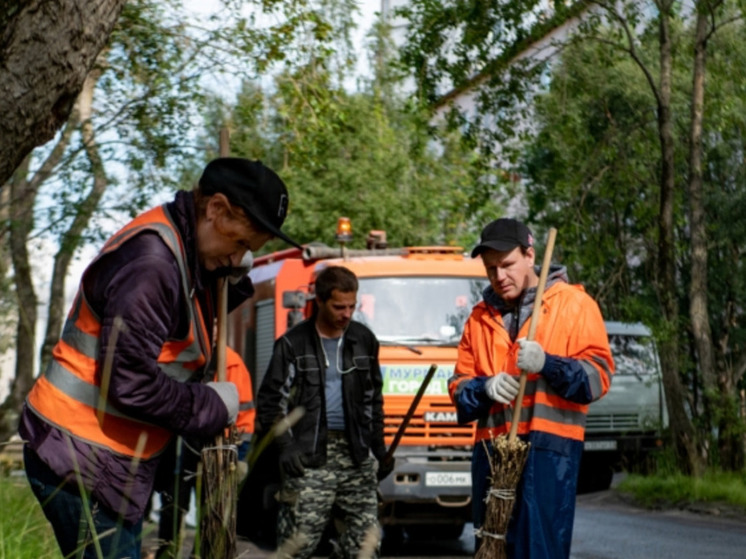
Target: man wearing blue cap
127, 372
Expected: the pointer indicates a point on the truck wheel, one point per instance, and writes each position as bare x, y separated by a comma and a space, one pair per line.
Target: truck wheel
393, 537
594, 476
451, 531
443, 531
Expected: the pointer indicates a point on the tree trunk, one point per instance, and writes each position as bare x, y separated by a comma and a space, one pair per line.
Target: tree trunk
698, 310
47, 48
718, 389
70, 240
682, 429
24, 188
21, 223
7, 303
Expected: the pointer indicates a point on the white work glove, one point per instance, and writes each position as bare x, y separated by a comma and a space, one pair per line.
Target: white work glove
242, 471
502, 388
229, 395
531, 356
244, 267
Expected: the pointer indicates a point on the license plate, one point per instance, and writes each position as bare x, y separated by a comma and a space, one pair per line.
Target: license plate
448, 479
599, 445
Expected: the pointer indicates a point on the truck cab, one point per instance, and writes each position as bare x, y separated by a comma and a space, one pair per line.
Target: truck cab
416, 300
626, 425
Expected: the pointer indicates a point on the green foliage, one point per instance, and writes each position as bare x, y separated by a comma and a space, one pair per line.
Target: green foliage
24, 532
356, 155
366, 154
725, 182
470, 48
592, 171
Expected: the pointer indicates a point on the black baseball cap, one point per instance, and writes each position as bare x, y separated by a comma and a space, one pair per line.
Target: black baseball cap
252, 186
504, 234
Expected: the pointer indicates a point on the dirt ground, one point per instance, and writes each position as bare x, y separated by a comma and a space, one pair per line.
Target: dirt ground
244, 547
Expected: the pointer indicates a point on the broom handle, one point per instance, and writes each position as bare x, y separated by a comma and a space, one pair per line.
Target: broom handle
221, 358
532, 329
222, 335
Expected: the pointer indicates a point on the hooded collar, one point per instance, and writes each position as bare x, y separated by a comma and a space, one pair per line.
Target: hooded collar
516, 313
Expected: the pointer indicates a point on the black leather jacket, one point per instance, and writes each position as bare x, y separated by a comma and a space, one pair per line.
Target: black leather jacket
295, 377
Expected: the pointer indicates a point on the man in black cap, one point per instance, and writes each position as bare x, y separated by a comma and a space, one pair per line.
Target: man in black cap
129, 370
569, 365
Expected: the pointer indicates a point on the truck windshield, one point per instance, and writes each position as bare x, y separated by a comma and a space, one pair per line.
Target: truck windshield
417, 310
633, 355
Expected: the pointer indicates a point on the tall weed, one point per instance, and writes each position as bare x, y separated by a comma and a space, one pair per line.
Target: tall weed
24, 531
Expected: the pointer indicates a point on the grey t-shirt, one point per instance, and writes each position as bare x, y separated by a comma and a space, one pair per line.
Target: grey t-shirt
335, 417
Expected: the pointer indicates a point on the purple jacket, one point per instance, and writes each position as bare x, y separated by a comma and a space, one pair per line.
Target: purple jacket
139, 282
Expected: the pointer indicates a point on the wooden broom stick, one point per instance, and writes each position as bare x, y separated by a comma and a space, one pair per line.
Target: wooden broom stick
532, 329
222, 334
222, 325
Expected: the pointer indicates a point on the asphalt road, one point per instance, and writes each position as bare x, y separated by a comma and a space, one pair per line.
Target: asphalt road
605, 528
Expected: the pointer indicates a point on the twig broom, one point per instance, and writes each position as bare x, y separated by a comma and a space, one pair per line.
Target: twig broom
509, 453
219, 484
219, 471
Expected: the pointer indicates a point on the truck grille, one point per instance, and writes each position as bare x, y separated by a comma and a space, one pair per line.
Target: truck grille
612, 422
426, 433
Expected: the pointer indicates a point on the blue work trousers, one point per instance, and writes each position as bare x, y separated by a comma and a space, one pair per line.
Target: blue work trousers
106, 537
544, 510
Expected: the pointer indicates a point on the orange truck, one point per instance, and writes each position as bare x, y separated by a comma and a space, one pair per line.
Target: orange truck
416, 300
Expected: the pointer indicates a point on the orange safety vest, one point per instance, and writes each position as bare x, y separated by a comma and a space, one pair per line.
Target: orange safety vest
570, 325
71, 394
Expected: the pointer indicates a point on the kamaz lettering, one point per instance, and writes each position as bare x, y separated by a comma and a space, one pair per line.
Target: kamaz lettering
440, 417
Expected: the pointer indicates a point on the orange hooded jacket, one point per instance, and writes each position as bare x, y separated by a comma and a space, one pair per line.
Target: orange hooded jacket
570, 325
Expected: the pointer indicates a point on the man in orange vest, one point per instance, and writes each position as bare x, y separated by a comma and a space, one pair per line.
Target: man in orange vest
569, 365
127, 372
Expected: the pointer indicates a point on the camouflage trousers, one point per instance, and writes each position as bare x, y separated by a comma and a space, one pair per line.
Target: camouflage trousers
306, 505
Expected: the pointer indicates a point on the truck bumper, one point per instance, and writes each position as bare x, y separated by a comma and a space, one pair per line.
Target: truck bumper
424, 491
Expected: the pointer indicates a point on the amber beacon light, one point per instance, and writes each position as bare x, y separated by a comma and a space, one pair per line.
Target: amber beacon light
344, 230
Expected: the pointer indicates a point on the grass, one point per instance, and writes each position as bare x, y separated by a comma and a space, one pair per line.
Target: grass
661, 490
24, 532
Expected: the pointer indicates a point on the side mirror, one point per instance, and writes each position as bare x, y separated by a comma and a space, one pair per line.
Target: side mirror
293, 299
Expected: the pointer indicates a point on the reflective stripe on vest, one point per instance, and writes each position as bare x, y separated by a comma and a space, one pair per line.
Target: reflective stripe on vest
542, 410
570, 324
72, 396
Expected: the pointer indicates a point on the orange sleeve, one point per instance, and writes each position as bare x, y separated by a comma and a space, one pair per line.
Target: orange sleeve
237, 373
